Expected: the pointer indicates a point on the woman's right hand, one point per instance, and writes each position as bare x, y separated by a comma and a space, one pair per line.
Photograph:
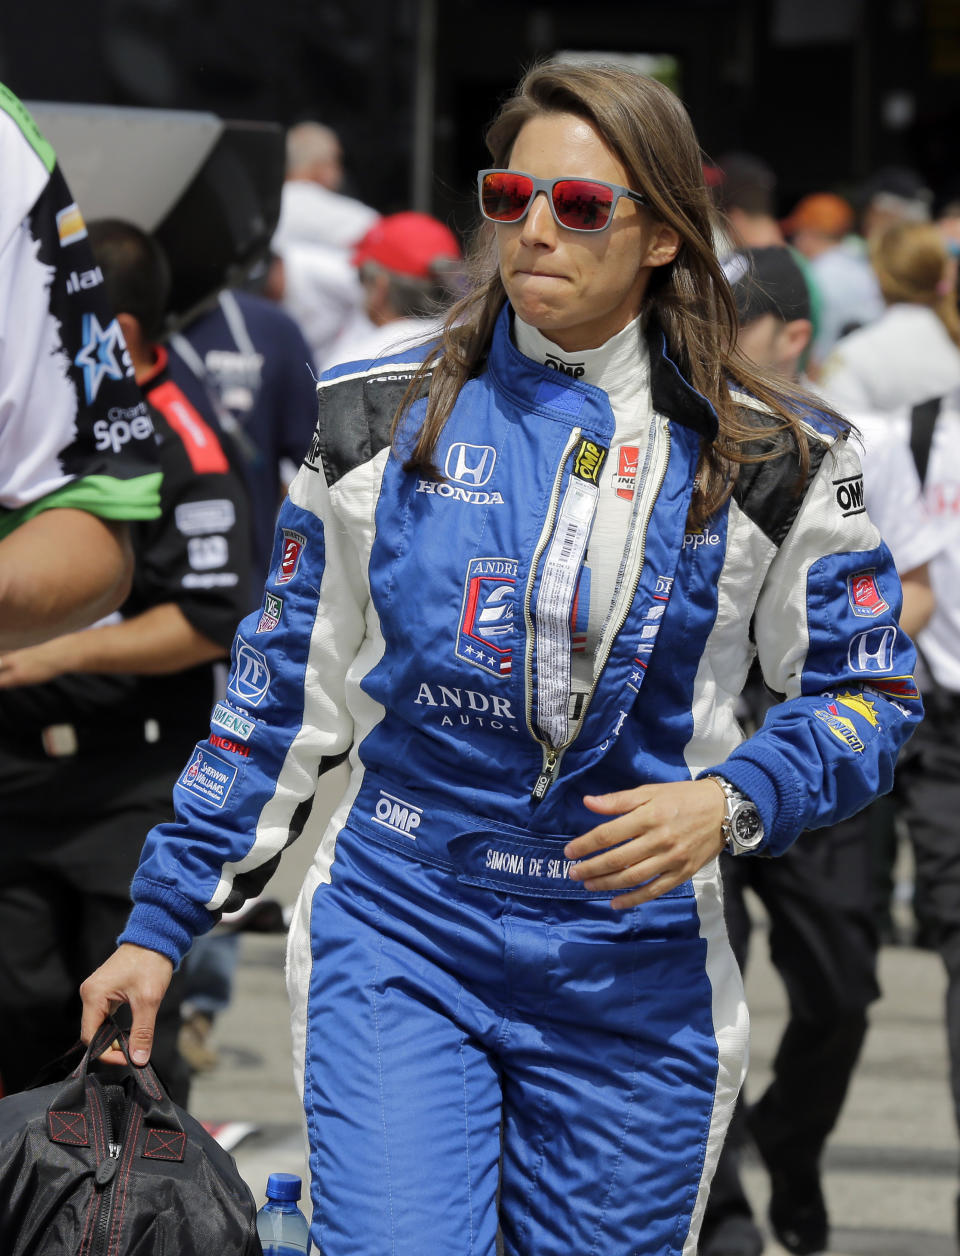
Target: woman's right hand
134, 975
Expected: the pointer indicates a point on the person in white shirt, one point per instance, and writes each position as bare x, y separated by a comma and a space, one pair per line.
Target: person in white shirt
819, 895
311, 274
408, 264
911, 353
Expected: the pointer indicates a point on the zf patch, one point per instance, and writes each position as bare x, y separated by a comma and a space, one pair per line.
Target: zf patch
864, 594
486, 631
250, 678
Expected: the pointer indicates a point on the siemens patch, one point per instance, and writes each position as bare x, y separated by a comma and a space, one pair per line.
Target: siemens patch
232, 722
209, 776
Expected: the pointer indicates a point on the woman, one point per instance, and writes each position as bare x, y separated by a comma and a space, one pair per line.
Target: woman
531, 619
911, 354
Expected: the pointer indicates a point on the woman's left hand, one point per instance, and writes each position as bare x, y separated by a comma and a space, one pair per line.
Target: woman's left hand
661, 835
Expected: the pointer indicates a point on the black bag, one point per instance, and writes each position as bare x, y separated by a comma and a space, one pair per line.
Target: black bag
95, 1167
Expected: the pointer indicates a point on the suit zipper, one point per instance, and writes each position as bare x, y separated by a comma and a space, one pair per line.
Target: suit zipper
550, 754
654, 473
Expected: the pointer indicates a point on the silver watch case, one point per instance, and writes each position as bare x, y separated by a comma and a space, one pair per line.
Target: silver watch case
742, 828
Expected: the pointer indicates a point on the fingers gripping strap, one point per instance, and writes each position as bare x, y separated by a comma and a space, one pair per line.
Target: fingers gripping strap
66, 1115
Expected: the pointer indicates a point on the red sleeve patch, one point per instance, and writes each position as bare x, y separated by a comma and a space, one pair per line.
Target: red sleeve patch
200, 440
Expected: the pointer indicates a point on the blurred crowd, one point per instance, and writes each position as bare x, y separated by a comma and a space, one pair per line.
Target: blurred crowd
853, 299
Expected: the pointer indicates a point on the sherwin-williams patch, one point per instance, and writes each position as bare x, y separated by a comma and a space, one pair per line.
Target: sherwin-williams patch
208, 776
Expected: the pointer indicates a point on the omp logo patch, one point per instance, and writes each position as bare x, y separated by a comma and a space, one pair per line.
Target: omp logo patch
849, 494
574, 369
394, 813
588, 461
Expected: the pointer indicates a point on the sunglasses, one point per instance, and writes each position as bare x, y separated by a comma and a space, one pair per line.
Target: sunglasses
578, 204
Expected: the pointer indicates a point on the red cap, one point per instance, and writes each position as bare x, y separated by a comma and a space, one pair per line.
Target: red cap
821, 211
408, 243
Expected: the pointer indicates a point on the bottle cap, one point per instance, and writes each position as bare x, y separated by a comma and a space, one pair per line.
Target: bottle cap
283, 1186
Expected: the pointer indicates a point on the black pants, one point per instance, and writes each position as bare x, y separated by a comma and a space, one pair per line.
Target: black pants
929, 785
823, 943
71, 830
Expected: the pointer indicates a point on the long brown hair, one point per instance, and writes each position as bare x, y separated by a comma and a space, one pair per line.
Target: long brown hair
912, 265
648, 129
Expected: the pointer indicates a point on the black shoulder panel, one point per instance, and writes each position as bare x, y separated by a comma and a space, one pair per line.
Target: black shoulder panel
771, 492
354, 420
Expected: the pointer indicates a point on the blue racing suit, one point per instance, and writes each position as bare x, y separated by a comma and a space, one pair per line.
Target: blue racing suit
451, 985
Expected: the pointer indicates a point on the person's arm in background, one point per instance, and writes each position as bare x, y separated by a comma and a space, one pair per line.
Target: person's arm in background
59, 570
918, 600
77, 453
158, 641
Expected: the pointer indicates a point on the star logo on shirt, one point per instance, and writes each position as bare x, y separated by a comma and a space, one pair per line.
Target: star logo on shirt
104, 355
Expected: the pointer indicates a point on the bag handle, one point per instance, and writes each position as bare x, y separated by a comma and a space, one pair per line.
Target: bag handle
67, 1113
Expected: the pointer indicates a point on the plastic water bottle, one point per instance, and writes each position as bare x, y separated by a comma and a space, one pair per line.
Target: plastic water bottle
281, 1225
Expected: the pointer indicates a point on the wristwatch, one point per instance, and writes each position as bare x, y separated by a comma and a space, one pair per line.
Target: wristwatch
742, 827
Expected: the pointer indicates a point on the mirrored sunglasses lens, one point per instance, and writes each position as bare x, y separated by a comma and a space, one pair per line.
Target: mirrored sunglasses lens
505, 196
582, 205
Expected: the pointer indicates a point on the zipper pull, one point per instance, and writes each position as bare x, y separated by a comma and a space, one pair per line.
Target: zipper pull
106, 1170
545, 779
